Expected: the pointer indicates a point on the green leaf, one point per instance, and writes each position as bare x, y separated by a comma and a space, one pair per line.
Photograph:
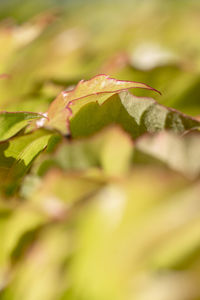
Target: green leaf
60, 191
16, 156
150, 212
13, 122
97, 152
135, 114
179, 153
97, 90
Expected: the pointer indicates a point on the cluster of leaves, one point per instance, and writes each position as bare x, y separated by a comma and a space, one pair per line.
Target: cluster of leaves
99, 184
80, 180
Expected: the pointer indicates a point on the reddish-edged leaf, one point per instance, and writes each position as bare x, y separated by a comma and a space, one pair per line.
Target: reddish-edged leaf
98, 89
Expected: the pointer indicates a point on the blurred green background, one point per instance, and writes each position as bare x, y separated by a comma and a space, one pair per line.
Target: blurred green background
103, 218
48, 45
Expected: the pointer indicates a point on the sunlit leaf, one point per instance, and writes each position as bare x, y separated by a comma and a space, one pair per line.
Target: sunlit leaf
136, 115
13, 122
17, 154
96, 90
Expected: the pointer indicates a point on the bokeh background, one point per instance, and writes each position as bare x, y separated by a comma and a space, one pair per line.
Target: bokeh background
47, 45
98, 219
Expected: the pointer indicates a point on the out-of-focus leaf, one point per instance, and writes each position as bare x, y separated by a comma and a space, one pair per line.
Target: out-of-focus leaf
43, 262
97, 90
123, 235
179, 153
13, 122
17, 154
117, 162
59, 191
97, 152
24, 219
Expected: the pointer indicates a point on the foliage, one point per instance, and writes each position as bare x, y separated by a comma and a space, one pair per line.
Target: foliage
100, 178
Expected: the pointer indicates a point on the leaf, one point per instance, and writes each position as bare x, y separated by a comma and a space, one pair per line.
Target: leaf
16, 156
4, 75
155, 117
150, 212
179, 153
97, 152
135, 114
98, 89
23, 221
60, 191
13, 122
